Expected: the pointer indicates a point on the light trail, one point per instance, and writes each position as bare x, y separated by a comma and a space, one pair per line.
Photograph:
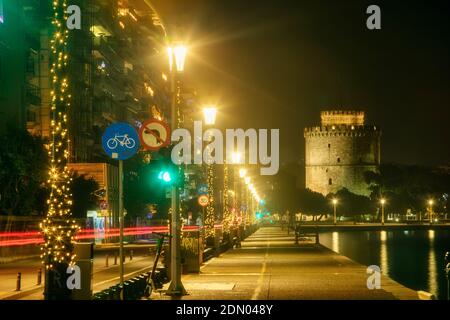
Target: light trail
22, 238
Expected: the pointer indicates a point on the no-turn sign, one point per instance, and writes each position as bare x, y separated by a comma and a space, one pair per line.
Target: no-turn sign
203, 200
154, 134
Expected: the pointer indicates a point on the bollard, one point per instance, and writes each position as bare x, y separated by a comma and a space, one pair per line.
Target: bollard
115, 258
39, 277
447, 273
131, 255
19, 281
107, 261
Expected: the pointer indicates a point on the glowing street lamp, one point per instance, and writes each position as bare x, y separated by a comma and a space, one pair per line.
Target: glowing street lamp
235, 157
382, 201
177, 54
210, 115
334, 210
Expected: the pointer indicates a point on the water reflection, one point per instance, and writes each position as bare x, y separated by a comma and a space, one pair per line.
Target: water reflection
384, 265
432, 265
414, 258
335, 242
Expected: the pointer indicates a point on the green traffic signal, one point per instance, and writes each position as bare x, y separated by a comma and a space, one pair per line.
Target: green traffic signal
165, 176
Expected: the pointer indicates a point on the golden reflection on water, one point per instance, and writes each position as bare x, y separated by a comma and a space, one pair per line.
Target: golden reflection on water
433, 286
384, 265
335, 242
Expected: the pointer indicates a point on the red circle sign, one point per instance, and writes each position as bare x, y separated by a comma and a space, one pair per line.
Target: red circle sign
154, 134
203, 200
104, 205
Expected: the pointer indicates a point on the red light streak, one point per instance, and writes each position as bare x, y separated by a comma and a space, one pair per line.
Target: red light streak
35, 237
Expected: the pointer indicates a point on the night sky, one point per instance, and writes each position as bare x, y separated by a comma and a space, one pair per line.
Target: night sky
277, 64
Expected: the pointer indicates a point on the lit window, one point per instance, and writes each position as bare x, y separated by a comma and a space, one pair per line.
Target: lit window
2, 18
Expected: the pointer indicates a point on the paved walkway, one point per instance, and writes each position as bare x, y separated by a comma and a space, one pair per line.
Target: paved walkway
103, 276
270, 266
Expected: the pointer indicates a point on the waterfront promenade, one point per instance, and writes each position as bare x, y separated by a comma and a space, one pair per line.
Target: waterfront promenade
270, 266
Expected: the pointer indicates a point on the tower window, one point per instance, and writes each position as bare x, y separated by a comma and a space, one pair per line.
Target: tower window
338, 160
330, 181
329, 146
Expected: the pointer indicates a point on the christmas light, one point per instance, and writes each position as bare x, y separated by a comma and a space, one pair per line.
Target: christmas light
226, 211
210, 215
57, 228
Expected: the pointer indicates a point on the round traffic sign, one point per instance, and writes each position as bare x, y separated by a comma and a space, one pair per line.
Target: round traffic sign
120, 141
154, 134
203, 200
104, 205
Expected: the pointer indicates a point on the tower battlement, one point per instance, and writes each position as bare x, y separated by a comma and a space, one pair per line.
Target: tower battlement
340, 130
337, 117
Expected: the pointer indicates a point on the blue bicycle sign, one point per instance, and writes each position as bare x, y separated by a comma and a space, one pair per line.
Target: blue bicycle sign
120, 141
124, 140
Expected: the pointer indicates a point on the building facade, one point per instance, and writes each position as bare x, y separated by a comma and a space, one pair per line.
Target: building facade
118, 71
22, 33
340, 151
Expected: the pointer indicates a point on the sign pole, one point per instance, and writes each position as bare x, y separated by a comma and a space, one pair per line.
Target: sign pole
121, 222
120, 142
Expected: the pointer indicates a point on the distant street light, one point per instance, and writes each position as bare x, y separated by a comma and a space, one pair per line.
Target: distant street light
334, 210
430, 203
382, 201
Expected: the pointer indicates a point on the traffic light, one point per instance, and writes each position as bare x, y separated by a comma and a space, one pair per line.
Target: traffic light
169, 173
165, 176
162, 173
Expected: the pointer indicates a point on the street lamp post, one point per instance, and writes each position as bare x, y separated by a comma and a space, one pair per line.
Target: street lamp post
210, 113
382, 201
242, 175
247, 206
430, 203
334, 211
177, 56
235, 159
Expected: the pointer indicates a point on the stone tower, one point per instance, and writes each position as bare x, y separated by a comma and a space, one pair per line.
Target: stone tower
339, 151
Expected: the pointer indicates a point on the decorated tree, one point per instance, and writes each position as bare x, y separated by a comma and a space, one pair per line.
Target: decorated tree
58, 228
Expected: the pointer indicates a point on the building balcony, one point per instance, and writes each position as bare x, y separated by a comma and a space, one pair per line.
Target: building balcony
33, 94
